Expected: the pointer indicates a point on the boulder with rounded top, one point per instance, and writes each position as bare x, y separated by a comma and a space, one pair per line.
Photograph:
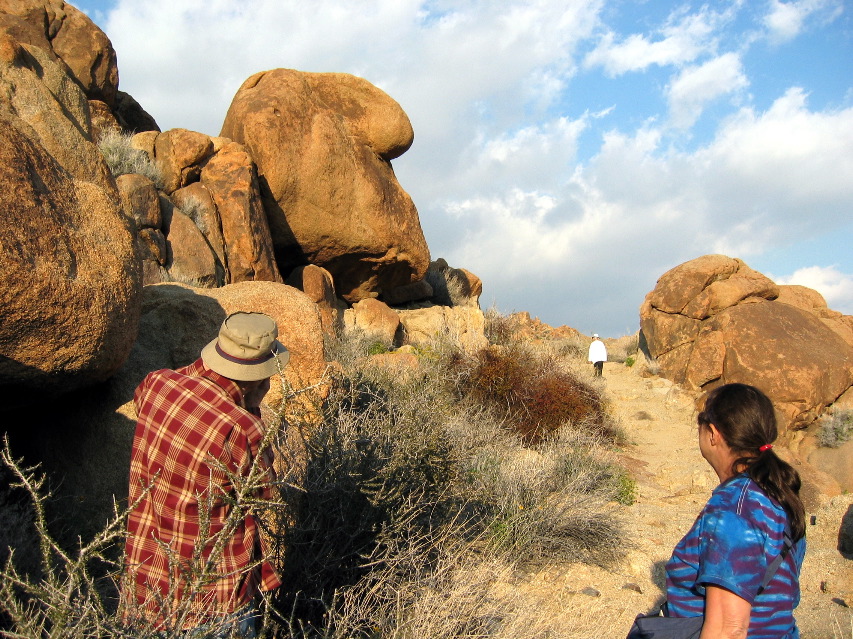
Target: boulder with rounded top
374, 319
179, 154
317, 284
323, 143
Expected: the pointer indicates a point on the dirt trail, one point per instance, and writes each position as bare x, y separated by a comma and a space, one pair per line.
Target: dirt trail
673, 483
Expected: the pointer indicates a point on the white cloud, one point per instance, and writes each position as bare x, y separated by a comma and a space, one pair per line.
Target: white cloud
683, 40
500, 124
696, 86
835, 286
786, 20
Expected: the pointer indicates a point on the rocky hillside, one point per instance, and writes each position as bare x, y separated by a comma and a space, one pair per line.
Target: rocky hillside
113, 269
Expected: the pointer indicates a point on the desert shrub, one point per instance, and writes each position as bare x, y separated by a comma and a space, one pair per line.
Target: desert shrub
573, 347
411, 502
534, 393
499, 329
836, 428
448, 289
122, 158
630, 361
378, 468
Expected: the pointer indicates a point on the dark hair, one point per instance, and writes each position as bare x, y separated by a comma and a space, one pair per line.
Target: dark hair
745, 418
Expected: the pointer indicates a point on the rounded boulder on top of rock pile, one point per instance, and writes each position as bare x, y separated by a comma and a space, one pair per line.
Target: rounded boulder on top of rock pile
714, 320
323, 143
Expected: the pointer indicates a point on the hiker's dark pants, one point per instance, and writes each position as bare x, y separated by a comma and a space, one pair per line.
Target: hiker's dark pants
599, 367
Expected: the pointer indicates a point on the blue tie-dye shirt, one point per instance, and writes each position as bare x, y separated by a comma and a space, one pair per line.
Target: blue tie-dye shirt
738, 533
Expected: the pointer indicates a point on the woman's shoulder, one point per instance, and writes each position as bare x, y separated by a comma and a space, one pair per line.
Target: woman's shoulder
742, 497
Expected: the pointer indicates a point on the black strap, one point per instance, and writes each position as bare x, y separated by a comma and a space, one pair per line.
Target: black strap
774, 565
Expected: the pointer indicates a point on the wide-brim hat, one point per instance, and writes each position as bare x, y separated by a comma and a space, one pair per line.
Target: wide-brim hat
246, 348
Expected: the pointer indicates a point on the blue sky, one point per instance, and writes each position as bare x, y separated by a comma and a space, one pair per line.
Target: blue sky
568, 153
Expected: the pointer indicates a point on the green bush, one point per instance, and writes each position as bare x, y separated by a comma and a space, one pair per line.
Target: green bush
377, 348
630, 361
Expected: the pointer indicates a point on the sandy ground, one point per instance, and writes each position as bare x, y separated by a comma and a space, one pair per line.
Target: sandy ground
673, 484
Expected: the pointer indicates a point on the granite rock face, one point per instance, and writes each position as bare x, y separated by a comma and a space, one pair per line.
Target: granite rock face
323, 143
71, 288
714, 320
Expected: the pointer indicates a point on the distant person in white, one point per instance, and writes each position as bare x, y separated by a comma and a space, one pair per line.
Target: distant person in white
597, 354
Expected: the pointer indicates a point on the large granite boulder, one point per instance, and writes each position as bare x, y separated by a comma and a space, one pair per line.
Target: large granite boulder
51, 109
69, 37
323, 144
71, 285
714, 320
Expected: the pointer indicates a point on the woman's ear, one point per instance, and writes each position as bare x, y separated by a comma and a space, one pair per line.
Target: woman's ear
714, 435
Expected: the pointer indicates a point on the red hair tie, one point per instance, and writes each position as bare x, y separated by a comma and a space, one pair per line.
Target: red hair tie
765, 447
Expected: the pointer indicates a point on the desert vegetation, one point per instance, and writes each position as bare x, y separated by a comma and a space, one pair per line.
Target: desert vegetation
836, 427
421, 489
123, 158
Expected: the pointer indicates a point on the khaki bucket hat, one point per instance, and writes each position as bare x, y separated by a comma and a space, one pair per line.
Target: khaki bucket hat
246, 348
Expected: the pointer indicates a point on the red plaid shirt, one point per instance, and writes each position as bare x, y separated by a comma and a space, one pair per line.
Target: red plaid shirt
186, 418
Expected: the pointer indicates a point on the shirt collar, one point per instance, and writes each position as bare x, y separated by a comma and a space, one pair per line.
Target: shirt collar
228, 385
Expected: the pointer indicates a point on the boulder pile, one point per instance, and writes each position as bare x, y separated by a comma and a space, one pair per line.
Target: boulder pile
713, 320
124, 247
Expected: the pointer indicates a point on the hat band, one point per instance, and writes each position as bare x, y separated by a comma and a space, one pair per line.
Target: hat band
239, 360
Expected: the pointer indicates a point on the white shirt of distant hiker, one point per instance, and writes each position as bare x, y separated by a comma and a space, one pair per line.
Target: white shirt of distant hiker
597, 355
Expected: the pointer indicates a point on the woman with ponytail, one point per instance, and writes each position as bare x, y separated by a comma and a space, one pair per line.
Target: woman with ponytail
718, 568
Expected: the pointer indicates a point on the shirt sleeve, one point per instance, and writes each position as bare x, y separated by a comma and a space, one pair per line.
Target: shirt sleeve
731, 554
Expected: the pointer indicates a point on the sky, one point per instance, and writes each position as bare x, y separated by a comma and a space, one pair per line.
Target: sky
568, 152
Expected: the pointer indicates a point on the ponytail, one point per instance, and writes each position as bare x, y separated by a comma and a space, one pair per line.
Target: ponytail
747, 421
782, 483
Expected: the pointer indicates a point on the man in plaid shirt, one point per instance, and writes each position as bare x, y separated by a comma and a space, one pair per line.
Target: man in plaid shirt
194, 553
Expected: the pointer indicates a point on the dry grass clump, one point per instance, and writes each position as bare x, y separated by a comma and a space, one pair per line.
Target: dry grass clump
836, 428
621, 348
122, 158
500, 329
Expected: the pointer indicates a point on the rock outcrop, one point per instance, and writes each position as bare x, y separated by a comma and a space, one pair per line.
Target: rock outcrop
84, 52
713, 320
323, 143
207, 226
70, 37
71, 287
50, 108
